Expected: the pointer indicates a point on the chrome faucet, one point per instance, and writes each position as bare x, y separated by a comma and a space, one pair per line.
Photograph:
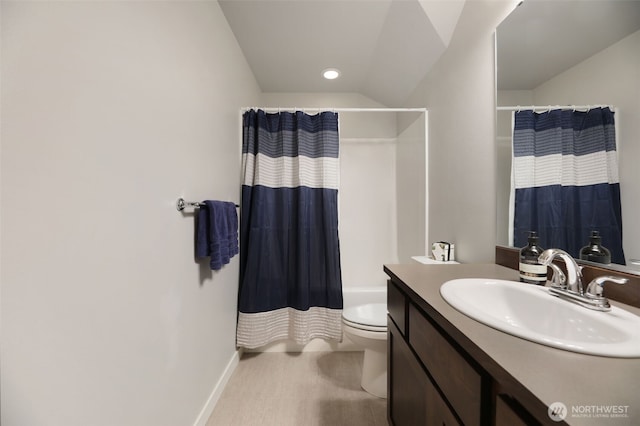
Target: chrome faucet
574, 271
570, 287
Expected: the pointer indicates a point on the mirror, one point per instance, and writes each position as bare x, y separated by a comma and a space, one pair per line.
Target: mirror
564, 52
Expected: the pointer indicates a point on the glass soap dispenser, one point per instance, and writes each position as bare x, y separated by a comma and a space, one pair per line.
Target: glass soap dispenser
531, 271
595, 252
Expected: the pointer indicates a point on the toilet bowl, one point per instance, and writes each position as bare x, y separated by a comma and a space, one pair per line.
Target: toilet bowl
366, 326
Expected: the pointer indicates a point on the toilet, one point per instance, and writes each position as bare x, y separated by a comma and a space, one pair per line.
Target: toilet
366, 326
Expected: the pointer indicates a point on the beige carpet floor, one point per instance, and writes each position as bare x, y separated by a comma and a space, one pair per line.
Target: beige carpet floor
298, 389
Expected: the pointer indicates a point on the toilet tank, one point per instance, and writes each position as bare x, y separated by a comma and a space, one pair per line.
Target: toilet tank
361, 295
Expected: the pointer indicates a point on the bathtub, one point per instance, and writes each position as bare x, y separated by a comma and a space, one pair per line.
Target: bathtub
359, 295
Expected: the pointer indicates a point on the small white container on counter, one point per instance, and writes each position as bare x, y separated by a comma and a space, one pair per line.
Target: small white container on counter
429, 261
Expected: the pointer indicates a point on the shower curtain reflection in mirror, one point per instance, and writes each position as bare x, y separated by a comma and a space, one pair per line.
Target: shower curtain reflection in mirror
290, 277
565, 179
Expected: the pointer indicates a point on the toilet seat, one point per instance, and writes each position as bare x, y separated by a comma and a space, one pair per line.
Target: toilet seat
370, 317
363, 327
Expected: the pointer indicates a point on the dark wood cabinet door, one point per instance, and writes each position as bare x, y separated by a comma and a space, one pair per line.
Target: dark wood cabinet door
412, 400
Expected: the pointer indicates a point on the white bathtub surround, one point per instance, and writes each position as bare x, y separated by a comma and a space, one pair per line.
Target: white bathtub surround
359, 295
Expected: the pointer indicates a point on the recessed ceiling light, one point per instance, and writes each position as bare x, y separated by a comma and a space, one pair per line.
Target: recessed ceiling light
331, 73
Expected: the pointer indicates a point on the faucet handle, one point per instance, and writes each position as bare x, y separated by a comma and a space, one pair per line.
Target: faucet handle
596, 286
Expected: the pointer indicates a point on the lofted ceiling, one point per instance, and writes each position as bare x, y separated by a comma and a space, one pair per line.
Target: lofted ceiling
384, 48
542, 38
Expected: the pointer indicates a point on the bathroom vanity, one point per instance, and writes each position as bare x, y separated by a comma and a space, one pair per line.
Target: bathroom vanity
445, 368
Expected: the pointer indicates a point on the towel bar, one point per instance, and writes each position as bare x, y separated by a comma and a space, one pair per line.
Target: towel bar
181, 204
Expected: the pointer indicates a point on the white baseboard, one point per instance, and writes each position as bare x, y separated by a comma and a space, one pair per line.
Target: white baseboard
206, 411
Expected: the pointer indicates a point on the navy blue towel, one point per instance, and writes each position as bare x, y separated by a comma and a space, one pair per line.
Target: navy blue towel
217, 232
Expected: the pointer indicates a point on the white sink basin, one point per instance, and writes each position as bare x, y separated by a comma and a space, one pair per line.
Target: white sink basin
530, 312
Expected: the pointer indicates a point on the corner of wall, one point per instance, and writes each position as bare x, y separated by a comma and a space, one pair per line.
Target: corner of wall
216, 393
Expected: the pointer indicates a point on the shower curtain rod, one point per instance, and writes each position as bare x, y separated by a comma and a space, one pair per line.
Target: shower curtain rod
548, 107
336, 109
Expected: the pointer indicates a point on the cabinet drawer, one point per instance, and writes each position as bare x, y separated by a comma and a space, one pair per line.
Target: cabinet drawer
460, 382
397, 306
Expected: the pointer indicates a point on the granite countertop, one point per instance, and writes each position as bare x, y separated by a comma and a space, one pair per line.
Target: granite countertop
584, 383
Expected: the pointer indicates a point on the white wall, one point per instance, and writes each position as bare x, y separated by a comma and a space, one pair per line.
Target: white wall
110, 112
612, 77
460, 94
368, 215
411, 188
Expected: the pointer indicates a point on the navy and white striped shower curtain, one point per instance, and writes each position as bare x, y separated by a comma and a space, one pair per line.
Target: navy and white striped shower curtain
565, 171
290, 279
